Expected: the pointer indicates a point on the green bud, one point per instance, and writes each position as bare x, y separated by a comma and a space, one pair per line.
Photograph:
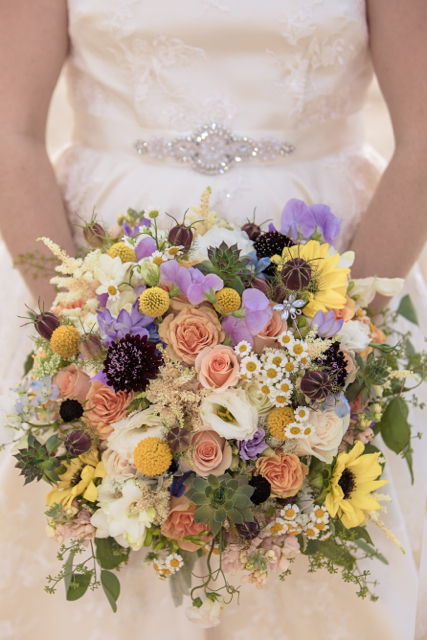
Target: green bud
197, 603
153, 214
317, 481
150, 273
268, 453
234, 463
175, 291
120, 218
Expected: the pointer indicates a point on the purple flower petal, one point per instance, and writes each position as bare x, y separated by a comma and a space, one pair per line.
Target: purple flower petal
169, 272
145, 247
254, 300
297, 217
236, 330
256, 321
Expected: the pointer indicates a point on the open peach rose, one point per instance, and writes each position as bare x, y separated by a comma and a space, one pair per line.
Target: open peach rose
268, 336
191, 331
72, 383
347, 312
285, 472
210, 453
105, 407
217, 367
180, 524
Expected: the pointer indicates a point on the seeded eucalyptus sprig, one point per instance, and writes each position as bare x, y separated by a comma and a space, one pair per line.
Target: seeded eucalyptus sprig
220, 498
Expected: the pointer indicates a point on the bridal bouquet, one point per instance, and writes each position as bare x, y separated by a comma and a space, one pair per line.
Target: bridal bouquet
212, 392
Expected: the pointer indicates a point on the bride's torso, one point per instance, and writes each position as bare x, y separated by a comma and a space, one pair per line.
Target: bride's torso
291, 71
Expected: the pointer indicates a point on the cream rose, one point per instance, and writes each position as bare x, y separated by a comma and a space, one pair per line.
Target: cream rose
230, 414
218, 368
130, 431
330, 430
117, 467
256, 398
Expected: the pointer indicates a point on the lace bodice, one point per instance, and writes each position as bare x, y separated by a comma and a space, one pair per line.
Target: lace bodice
246, 64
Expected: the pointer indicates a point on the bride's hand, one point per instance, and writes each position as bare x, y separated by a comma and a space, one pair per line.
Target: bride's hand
33, 47
394, 229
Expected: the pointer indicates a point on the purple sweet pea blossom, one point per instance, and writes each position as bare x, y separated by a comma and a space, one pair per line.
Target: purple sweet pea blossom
131, 232
145, 247
298, 218
250, 449
191, 282
101, 377
327, 326
258, 310
236, 330
133, 324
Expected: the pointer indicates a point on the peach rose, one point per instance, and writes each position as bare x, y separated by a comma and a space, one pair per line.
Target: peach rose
191, 331
72, 383
378, 336
268, 336
350, 365
105, 407
347, 312
285, 472
210, 453
356, 406
180, 524
217, 367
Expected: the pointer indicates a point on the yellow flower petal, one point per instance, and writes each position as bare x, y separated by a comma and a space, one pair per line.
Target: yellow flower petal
91, 492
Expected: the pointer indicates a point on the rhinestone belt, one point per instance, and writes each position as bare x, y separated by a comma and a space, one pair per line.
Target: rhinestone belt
213, 149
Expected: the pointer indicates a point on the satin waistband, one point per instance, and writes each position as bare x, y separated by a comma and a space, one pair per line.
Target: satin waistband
313, 142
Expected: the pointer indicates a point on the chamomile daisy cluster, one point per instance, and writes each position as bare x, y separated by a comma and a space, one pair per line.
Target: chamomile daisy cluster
165, 567
294, 522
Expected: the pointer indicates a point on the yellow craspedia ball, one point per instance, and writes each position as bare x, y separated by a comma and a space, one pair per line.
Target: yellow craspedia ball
65, 341
125, 253
228, 299
152, 456
278, 420
154, 302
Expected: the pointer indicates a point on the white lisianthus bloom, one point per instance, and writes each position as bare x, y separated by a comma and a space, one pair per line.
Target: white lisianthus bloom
215, 236
367, 288
257, 399
354, 336
125, 300
324, 442
111, 272
119, 517
346, 259
207, 615
230, 414
130, 431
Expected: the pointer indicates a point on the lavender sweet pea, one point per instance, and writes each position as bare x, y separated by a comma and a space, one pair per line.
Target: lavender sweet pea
298, 219
133, 324
250, 449
191, 282
257, 309
236, 330
327, 326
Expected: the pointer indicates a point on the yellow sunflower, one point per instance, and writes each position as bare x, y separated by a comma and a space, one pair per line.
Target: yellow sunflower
353, 480
78, 480
331, 279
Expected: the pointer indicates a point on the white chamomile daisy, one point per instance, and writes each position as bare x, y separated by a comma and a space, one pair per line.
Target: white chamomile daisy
290, 511
129, 242
158, 258
301, 414
276, 357
215, 551
286, 339
174, 562
113, 291
304, 361
325, 536
266, 389
307, 429
319, 515
249, 366
278, 527
279, 398
298, 349
285, 386
293, 528
271, 372
311, 532
173, 252
290, 367
294, 430
243, 348
161, 570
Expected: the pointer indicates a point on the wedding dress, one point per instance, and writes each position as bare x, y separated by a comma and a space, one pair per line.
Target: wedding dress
290, 75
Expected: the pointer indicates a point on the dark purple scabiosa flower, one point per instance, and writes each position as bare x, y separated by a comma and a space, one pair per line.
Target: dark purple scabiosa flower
250, 449
316, 385
70, 410
271, 244
131, 363
334, 363
133, 323
262, 489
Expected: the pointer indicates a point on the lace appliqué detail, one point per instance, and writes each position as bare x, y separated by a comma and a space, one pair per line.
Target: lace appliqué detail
85, 94
119, 20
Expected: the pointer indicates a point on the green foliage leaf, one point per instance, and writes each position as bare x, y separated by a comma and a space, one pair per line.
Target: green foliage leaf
214, 526
180, 582
29, 363
202, 514
337, 553
111, 585
394, 428
246, 490
237, 285
199, 498
52, 443
235, 516
363, 534
353, 390
78, 586
199, 484
407, 454
247, 514
68, 568
213, 481
109, 553
407, 310
370, 551
220, 515
241, 501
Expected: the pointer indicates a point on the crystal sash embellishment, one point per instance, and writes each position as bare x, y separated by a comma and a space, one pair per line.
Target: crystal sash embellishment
213, 149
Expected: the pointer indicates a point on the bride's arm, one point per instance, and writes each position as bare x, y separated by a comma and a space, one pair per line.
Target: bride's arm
394, 228
33, 46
